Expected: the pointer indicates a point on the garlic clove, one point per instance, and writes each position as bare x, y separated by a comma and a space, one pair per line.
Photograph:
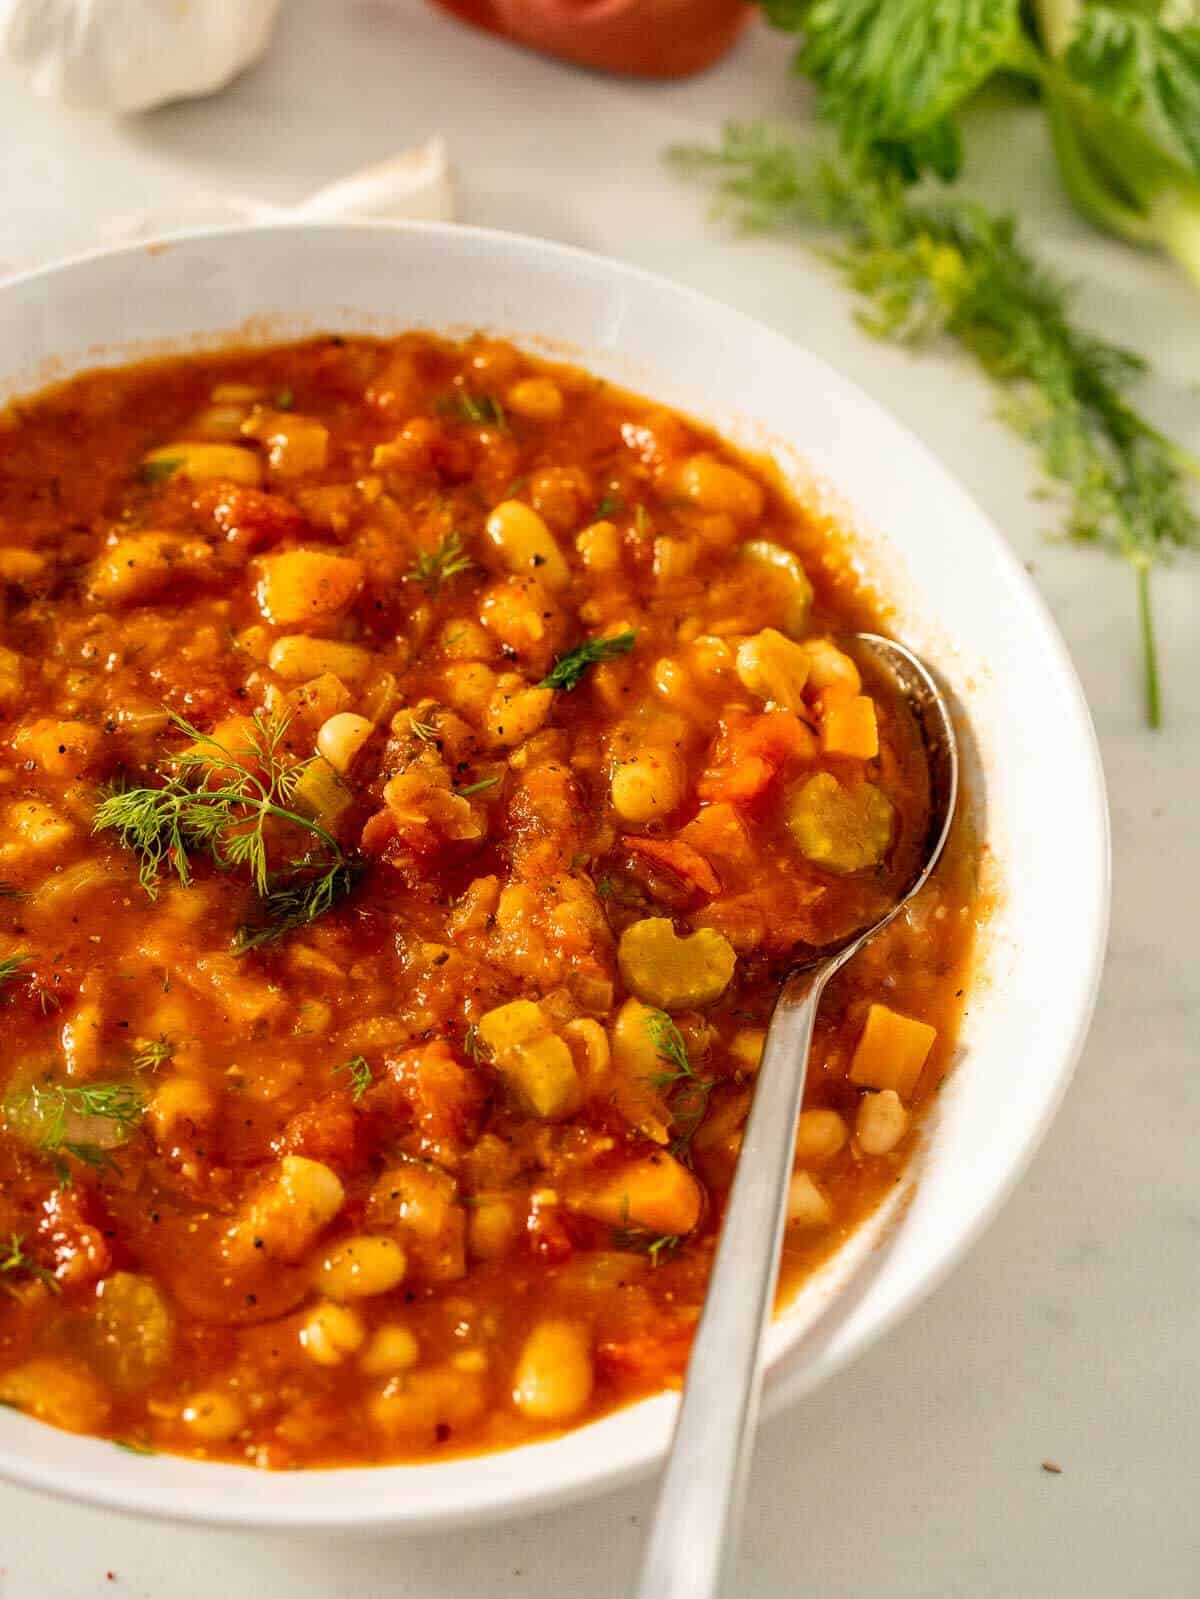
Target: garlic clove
418, 183
130, 55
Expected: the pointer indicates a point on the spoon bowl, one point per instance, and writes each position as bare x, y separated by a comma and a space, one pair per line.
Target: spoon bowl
692, 1539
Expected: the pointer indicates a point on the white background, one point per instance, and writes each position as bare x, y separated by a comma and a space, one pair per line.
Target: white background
1072, 1333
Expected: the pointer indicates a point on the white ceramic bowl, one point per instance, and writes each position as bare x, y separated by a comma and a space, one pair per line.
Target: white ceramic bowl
961, 597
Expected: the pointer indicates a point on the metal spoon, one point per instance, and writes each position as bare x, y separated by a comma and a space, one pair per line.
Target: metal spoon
693, 1538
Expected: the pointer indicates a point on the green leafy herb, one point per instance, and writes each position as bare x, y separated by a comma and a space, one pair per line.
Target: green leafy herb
58, 1118
1120, 86
359, 1074
285, 400
11, 891
689, 1093
477, 788
928, 269
435, 567
425, 731
10, 969
641, 1240
151, 1054
131, 1446
610, 505
157, 471
219, 801
17, 1263
568, 670
480, 409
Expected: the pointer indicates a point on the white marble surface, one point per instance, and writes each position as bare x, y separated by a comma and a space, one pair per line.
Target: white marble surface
1071, 1333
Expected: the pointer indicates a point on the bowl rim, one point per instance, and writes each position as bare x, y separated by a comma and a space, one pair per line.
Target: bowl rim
86, 1481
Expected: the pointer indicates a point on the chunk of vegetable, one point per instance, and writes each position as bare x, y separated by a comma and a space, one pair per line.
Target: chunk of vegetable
205, 463
306, 586
671, 972
524, 544
297, 658
296, 445
532, 1058
128, 1334
647, 786
798, 589
58, 1392
288, 1212
807, 1206
839, 827
773, 668
360, 1267
881, 1123
136, 567
657, 1193
711, 485
849, 727
891, 1051
554, 1375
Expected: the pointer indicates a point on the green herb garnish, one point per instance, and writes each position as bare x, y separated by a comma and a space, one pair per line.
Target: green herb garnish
132, 1447
477, 788
568, 670
435, 567
359, 1074
927, 269
1119, 85
285, 400
10, 969
53, 1112
689, 1092
479, 409
641, 1240
17, 1262
219, 802
11, 891
149, 1056
425, 731
610, 505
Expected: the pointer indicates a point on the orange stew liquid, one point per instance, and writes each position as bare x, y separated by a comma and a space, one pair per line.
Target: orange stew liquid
417, 765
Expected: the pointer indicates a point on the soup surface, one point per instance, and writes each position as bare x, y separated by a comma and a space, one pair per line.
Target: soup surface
417, 764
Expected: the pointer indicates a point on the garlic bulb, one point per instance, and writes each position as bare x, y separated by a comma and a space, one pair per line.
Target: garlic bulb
417, 183
129, 55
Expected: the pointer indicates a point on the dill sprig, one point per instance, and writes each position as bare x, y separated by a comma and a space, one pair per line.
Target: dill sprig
11, 891
435, 567
57, 1114
157, 471
568, 670
359, 1073
927, 269
219, 801
641, 1240
479, 409
689, 1092
152, 1052
17, 1261
11, 967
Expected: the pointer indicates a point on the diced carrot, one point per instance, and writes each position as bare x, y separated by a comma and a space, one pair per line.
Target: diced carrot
719, 834
849, 727
737, 784
679, 858
891, 1051
658, 1193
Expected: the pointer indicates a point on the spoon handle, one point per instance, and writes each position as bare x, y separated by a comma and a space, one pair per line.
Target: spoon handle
693, 1537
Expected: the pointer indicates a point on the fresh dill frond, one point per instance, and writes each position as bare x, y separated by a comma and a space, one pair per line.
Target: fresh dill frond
425, 731
152, 1052
568, 670
688, 1092
285, 400
928, 269
641, 1240
477, 788
11, 967
131, 1446
17, 1262
11, 891
435, 567
359, 1074
296, 899
57, 1117
479, 409
610, 505
219, 801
